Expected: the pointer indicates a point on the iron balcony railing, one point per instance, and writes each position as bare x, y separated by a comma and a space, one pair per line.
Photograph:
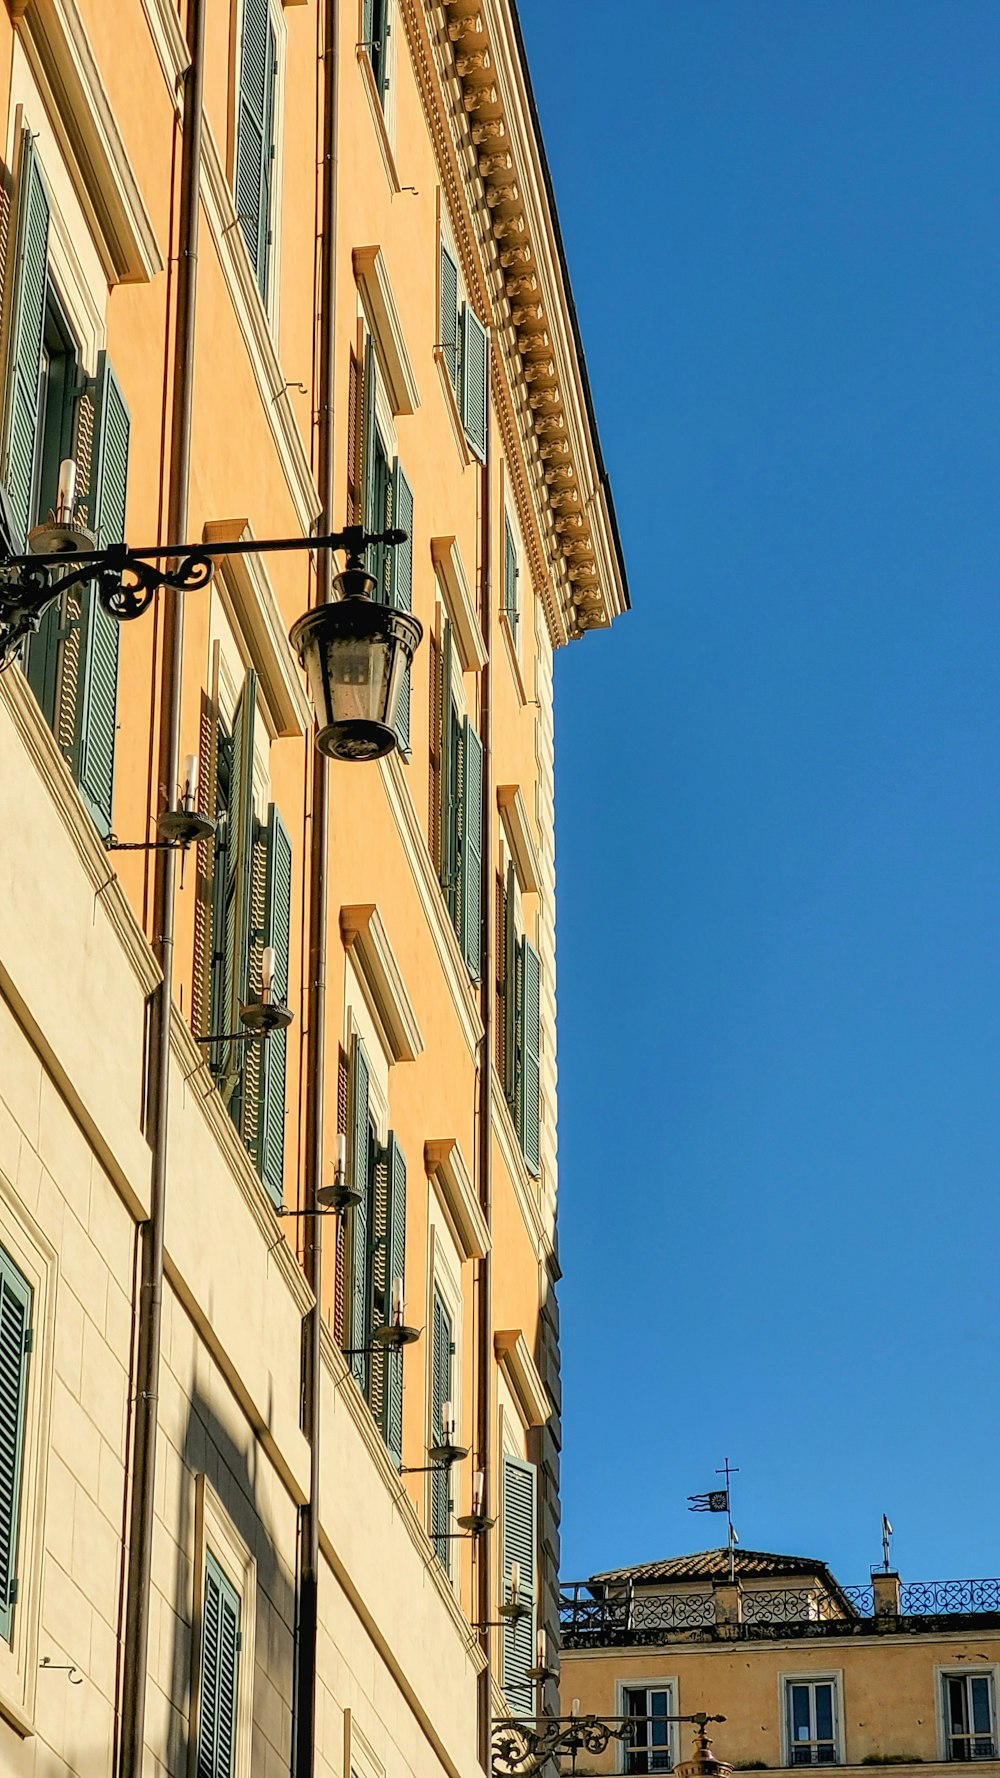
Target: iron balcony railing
622, 1613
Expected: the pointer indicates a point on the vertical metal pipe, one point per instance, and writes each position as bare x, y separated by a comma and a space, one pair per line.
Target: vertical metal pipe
305, 1699
487, 1002
136, 1652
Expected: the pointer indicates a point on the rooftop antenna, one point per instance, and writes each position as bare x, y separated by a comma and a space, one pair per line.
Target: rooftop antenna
886, 1536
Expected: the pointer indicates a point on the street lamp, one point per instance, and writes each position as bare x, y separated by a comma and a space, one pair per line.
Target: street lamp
520, 1747
355, 650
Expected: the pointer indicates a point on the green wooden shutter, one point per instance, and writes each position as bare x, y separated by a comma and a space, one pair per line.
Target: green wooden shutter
361, 1216
97, 673
255, 135
30, 264
15, 1341
449, 776
529, 1050
371, 520
510, 577
375, 26
395, 1267
401, 581
449, 316
471, 850
474, 381
273, 1062
519, 1531
220, 1650
510, 988
239, 865
442, 1349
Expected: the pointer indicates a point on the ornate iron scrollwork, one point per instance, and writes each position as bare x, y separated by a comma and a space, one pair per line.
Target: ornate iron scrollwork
521, 1746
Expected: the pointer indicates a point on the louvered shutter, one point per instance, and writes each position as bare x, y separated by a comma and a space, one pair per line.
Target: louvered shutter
375, 25
360, 1321
277, 932
519, 1516
441, 1375
27, 325
255, 135
15, 1339
97, 683
395, 1267
401, 559
371, 519
529, 1051
449, 777
510, 577
510, 992
220, 1646
474, 381
449, 316
239, 862
340, 1225
471, 850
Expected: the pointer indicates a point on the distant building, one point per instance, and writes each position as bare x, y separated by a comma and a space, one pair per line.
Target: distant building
807, 1672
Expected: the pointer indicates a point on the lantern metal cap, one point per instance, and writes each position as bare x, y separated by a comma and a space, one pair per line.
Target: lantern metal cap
394, 1334
265, 1016
341, 1195
185, 826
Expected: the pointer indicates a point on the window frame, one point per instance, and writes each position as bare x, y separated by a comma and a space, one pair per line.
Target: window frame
832, 1676
988, 1670
444, 1273
671, 1687
269, 298
215, 1534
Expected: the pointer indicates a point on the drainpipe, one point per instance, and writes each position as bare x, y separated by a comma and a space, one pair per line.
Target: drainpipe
305, 1672
485, 1330
136, 1653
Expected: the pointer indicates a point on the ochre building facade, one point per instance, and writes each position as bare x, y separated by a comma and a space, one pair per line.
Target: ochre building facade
805, 1671
269, 269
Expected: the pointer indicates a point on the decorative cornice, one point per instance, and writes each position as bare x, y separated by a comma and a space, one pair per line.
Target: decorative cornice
450, 570
245, 588
514, 816
382, 315
444, 1161
522, 1374
364, 934
490, 156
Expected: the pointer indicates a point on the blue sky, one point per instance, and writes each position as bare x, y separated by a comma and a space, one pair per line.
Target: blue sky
778, 779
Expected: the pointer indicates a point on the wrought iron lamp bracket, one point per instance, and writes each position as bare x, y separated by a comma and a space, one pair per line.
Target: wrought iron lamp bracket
520, 1747
128, 580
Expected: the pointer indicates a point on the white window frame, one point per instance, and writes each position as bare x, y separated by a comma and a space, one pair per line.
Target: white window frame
670, 1686
514, 637
215, 1532
35, 1258
832, 1676
270, 306
444, 1273
980, 1670
383, 115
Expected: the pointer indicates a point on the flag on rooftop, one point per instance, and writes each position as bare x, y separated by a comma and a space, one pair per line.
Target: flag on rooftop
717, 1501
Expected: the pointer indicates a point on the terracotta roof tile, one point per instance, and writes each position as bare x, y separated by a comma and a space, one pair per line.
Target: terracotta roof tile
714, 1565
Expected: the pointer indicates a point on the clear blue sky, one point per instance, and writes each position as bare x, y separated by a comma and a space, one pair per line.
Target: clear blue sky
779, 779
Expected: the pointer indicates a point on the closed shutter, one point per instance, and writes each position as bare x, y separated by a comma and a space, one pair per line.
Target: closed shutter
474, 381
353, 443
449, 316
277, 932
448, 817
471, 871
519, 1515
510, 578
220, 1647
340, 1255
360, 1161
97, 684
401, 580
27, 325
510, 991
375, 25
395, 1267
442, 1349
15, 1341
255, 135
239, 861
434, 751
529, 1051
372, 519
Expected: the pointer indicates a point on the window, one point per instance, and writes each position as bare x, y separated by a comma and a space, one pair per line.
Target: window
15, 1345
442, 1391
518, 1020
387, 501
812, 1739
970, 1727
518, 1527
255, 137
463, 345
53, 410
456, 822
377, 1254
375, 27
220, 1659
648, 1746
251, 906
511, 575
